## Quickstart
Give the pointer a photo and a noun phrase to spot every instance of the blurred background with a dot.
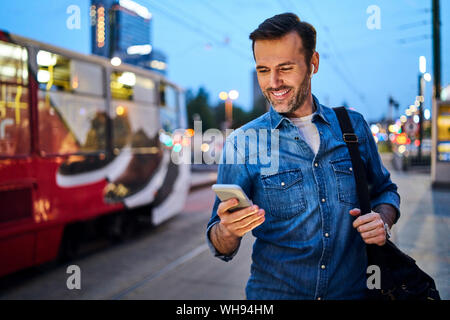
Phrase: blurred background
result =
(97, 95)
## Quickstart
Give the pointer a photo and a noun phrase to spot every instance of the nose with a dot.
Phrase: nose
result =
(275, 80)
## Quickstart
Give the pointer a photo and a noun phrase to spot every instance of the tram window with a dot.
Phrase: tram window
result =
(14, 120)
(14, 112)
(13, 63)
(71, 123)
(183, 122)
(134, 122)
(53, 72)
(168, 96)
(144, 90)
(168, 102)
(86, 78)
(59, 73)
(129, 86)
(122, 84)
(71, 106)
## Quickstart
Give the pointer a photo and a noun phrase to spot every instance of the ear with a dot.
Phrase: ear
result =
(314, 63)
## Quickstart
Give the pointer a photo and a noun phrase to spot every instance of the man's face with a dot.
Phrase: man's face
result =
(283, 75)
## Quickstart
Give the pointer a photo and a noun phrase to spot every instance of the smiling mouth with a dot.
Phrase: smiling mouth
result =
(280, 94)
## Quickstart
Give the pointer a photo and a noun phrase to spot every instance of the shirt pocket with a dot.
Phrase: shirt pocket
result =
(284, 193)
(345, 181)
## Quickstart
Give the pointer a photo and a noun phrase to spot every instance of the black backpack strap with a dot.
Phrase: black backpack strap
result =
(359, 170)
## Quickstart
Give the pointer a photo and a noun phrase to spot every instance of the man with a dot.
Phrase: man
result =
(310, 237)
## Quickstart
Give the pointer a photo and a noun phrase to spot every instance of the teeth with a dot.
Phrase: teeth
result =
(280, 93)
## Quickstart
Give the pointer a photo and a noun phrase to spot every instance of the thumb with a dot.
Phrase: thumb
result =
(355, 212)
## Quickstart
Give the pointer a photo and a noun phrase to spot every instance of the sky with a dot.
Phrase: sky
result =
(207, 45)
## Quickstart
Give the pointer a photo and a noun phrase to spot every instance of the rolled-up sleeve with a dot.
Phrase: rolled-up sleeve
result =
(232, 170)
(382, 189)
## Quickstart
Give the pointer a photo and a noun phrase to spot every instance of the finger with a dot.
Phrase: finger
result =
(380, 240)
(226, 205)
(250, 219)
(372, 225)
(373, 234)
(252, 226)
(366, 218)
(243, 213)
(236, 216)
(355, 212)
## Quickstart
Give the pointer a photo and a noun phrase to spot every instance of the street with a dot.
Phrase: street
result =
(172, 261)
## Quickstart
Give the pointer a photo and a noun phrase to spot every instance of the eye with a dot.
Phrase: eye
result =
(286, 69)
(262, 70)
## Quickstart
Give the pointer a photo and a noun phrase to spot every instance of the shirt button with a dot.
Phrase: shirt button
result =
(322, 266)
(316, 164)
(296, 138)
(326, 235)
(282, 183)
(319, 298)
(350, 169)
(323, 199)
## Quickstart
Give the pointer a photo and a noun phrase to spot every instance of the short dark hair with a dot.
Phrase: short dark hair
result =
(280, 25)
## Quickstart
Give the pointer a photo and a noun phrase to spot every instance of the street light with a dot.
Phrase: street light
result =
(223, 95)
(233, 94)
(116, 61)
(422, 64)
(423, 76)
(228, 98)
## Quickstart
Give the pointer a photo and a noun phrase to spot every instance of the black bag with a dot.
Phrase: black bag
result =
(401, 278)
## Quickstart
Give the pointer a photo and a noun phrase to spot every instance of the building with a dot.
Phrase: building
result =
(101, 27)
(122, 28)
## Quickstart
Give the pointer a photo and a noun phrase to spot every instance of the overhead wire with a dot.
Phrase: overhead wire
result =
(336, 68)
(415, 38)
(171, 6)
(207, 4)
(414, 24)
(204, 32)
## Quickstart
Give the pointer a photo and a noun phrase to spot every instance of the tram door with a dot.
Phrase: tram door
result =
(17, 184)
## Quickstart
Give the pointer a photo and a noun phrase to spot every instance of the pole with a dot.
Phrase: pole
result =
(229, 112)
(436, 50)
(421, 98)
(438, 169)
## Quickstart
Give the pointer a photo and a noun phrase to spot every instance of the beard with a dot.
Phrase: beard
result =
(297, 100)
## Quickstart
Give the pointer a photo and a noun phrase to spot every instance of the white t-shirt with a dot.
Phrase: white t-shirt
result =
(308, 131)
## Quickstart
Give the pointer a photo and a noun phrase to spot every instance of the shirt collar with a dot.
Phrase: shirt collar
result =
(276, 118)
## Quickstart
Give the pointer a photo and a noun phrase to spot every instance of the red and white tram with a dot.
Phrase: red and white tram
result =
(80, 139)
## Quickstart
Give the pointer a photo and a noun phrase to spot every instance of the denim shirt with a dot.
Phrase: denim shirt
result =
(307, 247)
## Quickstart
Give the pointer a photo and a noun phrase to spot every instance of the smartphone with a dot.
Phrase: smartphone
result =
(228, 191)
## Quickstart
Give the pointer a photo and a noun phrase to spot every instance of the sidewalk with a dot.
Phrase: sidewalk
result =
(423, 230)
(200, 179)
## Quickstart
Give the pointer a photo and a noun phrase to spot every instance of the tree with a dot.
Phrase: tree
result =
(214, 117)
(260, 106)
(198, 105)
(240, 117)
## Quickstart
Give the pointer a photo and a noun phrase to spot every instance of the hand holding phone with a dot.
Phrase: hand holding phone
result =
(228, 191)
(236, 219)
